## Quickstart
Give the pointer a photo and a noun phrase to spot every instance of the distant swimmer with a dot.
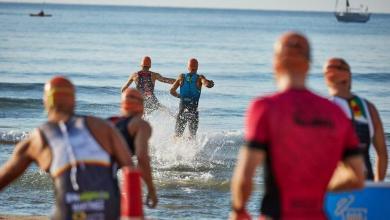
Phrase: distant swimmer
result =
(190, 88)
(300, 137)
(78, 152)
(145, 81)
(137, 132)
(363, 114)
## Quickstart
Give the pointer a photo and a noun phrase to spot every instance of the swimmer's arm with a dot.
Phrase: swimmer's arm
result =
(164, 79)
(206, 82)
(176, 85)
(17, 164)
(379, 142)
(128, 83)
(142, 152)
(241, 185)
(348, 175)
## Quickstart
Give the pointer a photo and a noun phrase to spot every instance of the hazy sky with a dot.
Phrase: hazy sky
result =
(307, 5)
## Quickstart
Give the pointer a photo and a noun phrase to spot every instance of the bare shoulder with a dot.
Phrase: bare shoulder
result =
(371, 105)
(39, 150)
(95, 123)
(141, 124)
(134, 75)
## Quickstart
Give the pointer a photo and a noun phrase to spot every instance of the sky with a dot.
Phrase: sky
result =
(381, 6)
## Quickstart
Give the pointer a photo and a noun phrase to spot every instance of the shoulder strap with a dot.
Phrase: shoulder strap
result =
(368, 113)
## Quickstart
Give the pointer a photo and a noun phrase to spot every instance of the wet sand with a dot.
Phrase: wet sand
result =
(23, 217)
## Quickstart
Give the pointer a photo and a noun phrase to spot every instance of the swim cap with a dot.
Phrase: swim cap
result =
(336, 70)
(192, 64)
(291, 54)
(146, 62)
(59, 93)
(132, 101)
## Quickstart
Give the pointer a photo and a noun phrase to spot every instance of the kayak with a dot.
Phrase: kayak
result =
(40, 15)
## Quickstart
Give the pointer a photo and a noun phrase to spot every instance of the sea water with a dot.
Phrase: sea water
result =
(98, 47)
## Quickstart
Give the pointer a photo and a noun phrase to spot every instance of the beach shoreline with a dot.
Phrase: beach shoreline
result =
(23, 217)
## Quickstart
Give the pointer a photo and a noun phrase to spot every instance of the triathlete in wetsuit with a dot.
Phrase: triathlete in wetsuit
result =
(78, 152)
(190, 88)
(300, 136)
(137, 132)
(363, 114)
(145, 81)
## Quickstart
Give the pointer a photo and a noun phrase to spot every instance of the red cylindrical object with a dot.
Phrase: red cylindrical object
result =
(131, 195)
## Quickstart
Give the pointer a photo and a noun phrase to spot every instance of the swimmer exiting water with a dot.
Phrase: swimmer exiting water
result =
(145, 81)
(190, 88)
(300, 137)
(78, 152)
(362, 113)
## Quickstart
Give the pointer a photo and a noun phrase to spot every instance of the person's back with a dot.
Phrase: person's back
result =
(145, 81)
(306, 136)
(89, 189)
(137, 132)
(301, 137)
(79, 153)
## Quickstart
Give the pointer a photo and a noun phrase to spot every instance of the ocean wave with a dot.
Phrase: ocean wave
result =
(38, 87)
(12, 137)
(21, 103)
(380, 77)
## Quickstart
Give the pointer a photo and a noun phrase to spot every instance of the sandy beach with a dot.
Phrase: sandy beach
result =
(23, 217)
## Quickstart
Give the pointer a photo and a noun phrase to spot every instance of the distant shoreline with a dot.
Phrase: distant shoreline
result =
(23, 217)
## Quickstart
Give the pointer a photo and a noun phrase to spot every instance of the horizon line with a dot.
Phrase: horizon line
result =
(176, 7)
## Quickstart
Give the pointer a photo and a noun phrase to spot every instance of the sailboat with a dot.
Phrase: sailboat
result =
(352, 14)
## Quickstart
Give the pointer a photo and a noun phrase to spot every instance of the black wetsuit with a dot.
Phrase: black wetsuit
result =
(121, 123)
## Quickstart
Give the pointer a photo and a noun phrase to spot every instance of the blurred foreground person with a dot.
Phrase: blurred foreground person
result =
(364, 116)
(137, 132)
(190, 89)
(300, 137)
(78, 152)
(145, 81)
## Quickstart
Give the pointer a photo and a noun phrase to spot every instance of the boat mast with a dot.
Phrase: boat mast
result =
(347, 5)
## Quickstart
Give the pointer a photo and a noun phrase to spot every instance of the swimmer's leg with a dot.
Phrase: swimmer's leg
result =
(193, 124)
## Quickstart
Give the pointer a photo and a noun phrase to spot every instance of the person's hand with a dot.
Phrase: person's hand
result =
(241, 215)
(210, 84)
(151, 199)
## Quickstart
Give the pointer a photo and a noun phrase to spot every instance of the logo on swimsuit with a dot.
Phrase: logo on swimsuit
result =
(303, 119)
